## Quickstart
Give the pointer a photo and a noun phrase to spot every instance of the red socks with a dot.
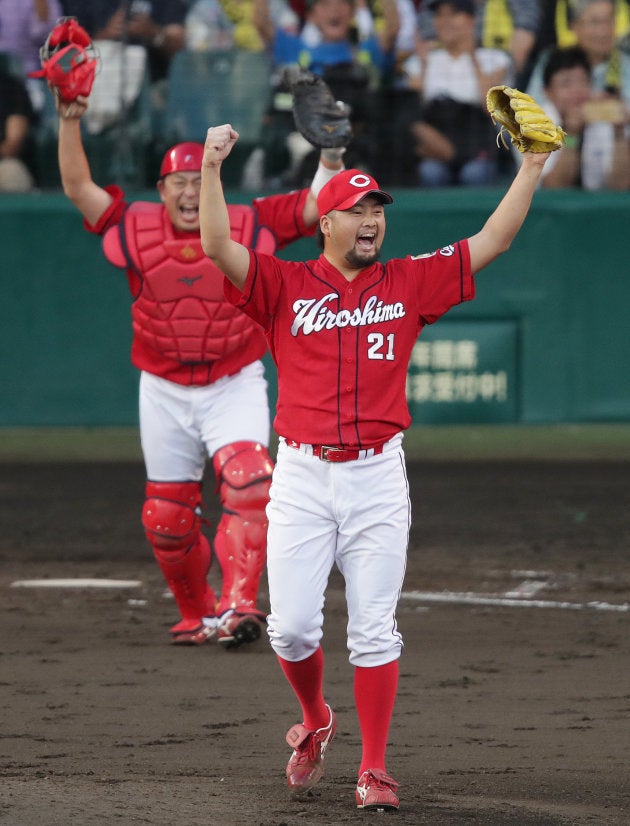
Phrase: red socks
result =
(306, 679)
(374, 695)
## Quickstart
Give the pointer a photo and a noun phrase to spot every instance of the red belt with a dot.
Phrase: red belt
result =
(327, 453)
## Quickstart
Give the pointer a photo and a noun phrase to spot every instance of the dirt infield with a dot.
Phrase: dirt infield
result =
(506, 714)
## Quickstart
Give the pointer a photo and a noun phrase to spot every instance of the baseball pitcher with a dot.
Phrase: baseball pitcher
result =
(341, 330)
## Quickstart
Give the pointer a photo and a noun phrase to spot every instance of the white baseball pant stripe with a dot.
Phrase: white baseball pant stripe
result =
(355, 515)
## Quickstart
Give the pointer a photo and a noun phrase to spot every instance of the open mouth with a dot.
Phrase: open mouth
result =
(189, 214)
(366, 240)
(336, 26)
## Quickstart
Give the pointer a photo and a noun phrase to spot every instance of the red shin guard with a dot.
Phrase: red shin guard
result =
(172, 523)
(243, 472)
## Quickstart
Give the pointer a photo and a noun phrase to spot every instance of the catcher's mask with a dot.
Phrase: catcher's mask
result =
(346, 189)
(69, 59)
(183, 157)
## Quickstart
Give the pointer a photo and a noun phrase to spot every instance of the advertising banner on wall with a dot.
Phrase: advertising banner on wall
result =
(464, 372)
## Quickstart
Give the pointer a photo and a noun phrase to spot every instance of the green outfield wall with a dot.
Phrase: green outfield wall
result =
(547, 340)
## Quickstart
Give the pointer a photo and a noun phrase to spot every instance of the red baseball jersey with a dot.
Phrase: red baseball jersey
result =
(342, 348)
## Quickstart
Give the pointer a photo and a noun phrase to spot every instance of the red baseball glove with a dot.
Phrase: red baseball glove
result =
(69, 60)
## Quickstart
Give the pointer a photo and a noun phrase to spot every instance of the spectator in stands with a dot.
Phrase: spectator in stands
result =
(223, 24)
(510, 25)
(593, 24)
(369, 18)
(398, 102)
(555, 26)
(158, 25)
(24, 26)
(333, 42)
(16, 123)
(353, 68)
(454, 138)
(136, 40)
(597, 151)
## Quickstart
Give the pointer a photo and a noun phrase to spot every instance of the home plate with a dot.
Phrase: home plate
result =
(76, 583)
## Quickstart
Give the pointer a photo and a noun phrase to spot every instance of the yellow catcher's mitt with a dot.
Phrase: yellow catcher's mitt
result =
(530, 129)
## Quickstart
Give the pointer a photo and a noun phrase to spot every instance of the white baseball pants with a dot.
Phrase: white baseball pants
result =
(356, 515)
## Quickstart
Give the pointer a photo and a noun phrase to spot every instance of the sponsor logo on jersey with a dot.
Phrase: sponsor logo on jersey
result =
(189, 280)
(314, 315)
(445, 251)
(188, 252)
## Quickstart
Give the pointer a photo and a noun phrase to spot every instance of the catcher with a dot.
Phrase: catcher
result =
(202, 386)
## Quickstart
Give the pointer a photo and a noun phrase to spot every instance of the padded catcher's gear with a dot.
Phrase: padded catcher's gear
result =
(69, 60)
(171, 517)
(243, 471)
(322, 120)
(518, 114)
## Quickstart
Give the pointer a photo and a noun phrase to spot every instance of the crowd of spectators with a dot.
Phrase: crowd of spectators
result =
(415, 73)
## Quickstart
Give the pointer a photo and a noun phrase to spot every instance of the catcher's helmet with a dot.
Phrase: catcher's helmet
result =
(183, 157)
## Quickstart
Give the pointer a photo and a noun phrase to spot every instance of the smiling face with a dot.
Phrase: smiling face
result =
(595, 30)
(353, 237)
(333, 18)
(569, 89)
(179, 192)
(452, 26)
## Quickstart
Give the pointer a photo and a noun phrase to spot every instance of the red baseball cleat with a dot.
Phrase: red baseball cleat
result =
(306, 765)
(377, 791)
(235, 629)
(193, 631)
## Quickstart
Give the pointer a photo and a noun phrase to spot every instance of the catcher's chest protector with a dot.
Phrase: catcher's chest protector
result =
(180, 310)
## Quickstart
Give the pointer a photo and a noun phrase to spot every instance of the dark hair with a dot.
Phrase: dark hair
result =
(576, 8)
(568, 58)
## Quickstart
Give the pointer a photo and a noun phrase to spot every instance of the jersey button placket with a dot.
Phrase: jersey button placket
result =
(348, 375)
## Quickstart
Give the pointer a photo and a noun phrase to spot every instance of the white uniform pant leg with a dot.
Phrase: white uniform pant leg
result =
(180, 424)
(236, 410)
(172, 448)
(301, 541)
(375, 513)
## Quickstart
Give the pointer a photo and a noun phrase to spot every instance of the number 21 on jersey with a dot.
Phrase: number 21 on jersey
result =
(381, 346)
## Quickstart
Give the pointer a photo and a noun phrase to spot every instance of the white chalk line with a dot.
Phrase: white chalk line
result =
(469, 598)
(517, 598)
(76, 583)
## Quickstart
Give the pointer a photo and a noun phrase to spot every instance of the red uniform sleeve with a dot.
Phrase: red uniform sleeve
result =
(283, 215)
(445, 280)
(112, 214)
(260, 295)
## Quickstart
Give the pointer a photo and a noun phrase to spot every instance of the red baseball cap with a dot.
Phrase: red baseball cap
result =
(346, 189)
(183, 157)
